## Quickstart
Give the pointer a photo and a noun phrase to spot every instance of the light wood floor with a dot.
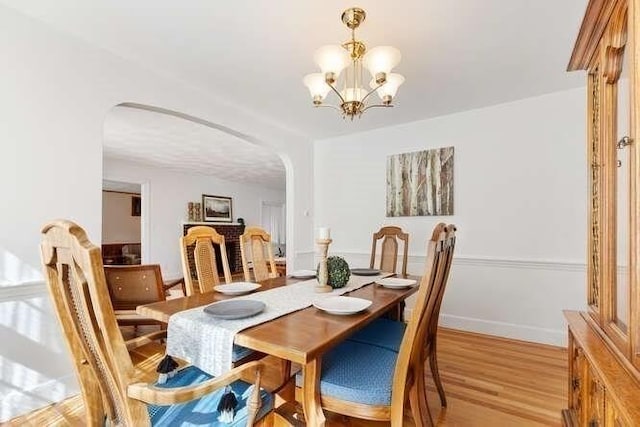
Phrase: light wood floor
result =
(489, 381)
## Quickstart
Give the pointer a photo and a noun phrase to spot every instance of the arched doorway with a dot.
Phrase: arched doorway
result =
(176, 159)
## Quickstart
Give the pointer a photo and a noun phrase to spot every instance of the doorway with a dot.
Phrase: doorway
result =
(121, 223)
(273, 219)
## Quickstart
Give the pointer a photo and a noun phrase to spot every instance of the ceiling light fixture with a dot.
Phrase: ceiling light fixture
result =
(348, 60)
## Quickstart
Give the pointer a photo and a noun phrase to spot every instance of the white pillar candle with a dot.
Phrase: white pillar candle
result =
(324, 233)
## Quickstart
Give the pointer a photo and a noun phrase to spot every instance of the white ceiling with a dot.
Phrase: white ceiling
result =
(457, 54)
(123, 187)
(174, 143)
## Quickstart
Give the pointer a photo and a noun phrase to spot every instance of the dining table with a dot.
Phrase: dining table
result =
(300, 337)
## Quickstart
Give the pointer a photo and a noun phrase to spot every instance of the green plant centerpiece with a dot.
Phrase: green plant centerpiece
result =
(338, 272)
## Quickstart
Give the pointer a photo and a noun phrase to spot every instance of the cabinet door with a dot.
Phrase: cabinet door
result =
(633, 55)
(615, 174)
(614, 416)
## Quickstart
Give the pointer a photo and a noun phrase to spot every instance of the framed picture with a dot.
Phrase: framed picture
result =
(216, 208)
(420, 183)
(136, 205)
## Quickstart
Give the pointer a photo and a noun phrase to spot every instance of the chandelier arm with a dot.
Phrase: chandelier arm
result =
(371, 91)
(342, 101)
(327, 106)
(376, 105)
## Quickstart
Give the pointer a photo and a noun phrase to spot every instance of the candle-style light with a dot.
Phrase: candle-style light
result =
(323, 240)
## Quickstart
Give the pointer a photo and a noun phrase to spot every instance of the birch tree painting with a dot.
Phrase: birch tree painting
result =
(420, 183)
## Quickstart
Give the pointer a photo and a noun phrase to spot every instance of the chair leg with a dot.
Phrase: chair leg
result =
(254, 402)
(418, 400)
(435, 373)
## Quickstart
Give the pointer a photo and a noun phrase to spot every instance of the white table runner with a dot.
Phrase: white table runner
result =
(207, 342)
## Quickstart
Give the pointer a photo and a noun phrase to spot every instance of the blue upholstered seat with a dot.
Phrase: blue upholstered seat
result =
(238, 352)
(357, 372)
(203, 412)
(381, 332)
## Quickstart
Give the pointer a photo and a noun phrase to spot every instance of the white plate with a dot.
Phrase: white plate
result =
(396, 282)
(303, 274)
(342, 305)
(237, 288)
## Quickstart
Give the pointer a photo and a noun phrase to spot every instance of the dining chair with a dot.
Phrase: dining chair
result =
(255, 246)
(133, 285)
(388, 333)
(374, 378)
(390, 237)
(200, 269)
(116, 391)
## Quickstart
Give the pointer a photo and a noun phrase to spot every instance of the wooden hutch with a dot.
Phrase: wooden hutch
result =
(604, 341)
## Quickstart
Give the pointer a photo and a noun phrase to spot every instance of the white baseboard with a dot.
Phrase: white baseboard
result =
(502, 329)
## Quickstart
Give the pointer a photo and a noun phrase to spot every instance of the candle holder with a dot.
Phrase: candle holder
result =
(323, 272)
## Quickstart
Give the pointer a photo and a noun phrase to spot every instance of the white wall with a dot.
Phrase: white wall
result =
(167, 198)
(56, 91)
(519, 203)
(118, 225)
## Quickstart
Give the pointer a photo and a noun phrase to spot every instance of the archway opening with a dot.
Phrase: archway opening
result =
(182, 164)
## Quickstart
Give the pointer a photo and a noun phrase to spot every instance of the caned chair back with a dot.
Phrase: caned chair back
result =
(422, 326)
(390, 237)
(134, 285)
(199, 241)
(77, 284)
(255, 246)
(111, 384)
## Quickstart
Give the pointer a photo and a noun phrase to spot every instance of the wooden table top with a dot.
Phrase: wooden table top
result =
(300, 336)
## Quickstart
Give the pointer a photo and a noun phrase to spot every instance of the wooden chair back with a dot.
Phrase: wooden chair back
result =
(200, 241)
(77, 284)
(255, 246)
(112, 386)
(134, 285)
(421, 329)
(390, 237)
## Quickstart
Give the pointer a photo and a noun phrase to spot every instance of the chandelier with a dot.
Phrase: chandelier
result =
(349, 61)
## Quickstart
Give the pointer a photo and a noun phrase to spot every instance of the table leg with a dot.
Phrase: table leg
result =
(311, 393)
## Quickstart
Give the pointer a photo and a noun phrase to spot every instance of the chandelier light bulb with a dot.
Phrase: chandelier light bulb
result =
(317, 86)
(388, 90)
(332, 59)
(380, 61)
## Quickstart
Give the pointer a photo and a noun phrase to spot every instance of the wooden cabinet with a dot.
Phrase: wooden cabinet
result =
(604, 341)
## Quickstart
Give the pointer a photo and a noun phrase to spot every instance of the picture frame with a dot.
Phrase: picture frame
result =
(217, 208)
(420, 183)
